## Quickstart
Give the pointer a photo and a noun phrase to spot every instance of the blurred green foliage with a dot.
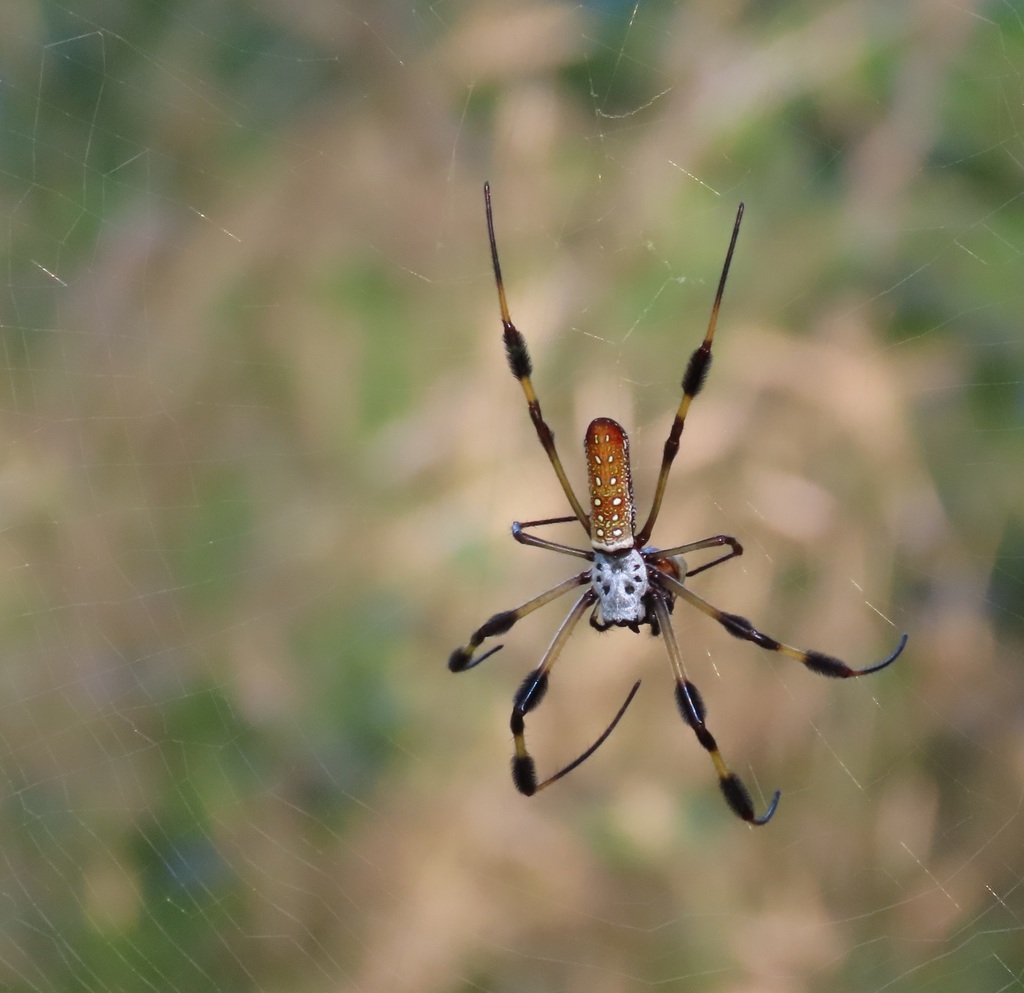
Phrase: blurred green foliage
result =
(262, 451)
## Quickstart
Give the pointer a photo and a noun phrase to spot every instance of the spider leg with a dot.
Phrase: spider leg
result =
(524, 538)
(579, 760)
(691, 707)
(546, 521)
(462, 658)
(735, 548)
(740, 627)
(522, 368)
(693, 380)
(529, 696)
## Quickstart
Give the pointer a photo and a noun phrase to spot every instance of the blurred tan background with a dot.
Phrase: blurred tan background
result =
(261, 450)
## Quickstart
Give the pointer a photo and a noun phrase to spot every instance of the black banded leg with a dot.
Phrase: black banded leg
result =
(740, 627)
(462, 658)
(716, 541)
(693, 381)
(531, 692)
(529, 696)
(691, 707)
(522, 368)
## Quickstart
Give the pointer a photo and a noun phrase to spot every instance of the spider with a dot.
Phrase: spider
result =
(628, 582)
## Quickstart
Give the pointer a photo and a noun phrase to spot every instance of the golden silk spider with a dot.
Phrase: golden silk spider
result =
(629, 583)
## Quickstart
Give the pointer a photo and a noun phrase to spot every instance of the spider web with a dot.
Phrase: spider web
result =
(261, 449)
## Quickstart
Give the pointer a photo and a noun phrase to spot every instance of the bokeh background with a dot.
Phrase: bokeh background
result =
(259, 452)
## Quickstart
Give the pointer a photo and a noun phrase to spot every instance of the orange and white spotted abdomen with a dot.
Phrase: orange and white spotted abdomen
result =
(612, 515)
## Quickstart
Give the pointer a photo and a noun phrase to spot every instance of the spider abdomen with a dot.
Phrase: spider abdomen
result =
(612, 515)
(619, 579)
